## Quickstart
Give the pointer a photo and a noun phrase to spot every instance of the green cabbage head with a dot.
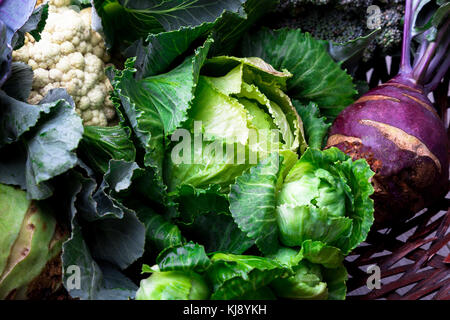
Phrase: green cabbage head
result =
(239, 116)
(325, 197)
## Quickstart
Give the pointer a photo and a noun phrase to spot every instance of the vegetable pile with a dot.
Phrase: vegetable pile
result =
(177, 150)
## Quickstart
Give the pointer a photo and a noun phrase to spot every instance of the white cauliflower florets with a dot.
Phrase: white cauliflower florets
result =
(70, 55)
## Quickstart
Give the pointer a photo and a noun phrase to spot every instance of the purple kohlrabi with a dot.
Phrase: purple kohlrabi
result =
(396, 128)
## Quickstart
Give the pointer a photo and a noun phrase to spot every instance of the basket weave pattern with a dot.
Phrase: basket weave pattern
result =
(413, 258)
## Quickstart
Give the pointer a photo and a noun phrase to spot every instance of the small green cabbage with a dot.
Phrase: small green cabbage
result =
(173, 285)
(325, 197)
(29, 239)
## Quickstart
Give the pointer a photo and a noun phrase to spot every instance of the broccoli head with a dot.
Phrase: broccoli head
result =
(343, 20)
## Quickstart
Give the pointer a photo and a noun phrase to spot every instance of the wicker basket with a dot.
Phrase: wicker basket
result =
(414, 256)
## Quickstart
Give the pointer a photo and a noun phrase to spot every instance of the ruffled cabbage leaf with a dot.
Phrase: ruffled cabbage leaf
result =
(316, 76)
(106, 237)
(318, 272)
(234, 276)
(39, 141)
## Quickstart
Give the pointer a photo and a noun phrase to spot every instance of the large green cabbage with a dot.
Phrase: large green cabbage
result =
(239, 105)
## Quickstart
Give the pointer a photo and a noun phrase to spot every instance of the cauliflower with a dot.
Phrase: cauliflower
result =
(73, 56)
